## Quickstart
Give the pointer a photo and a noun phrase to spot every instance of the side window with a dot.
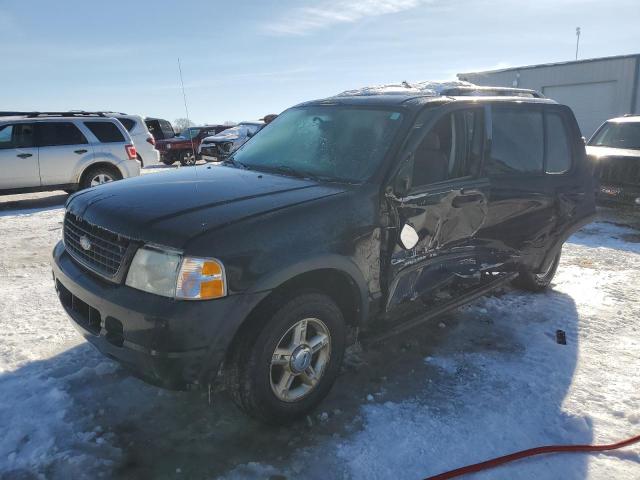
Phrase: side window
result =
(517, 145)
(167, 129)
(16, 136)
(451, 149)
(558, 150)
(127, 123)
(59, 133)
(106, 132)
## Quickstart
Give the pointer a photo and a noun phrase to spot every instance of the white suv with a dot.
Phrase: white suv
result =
(63, 151)
(142, 139)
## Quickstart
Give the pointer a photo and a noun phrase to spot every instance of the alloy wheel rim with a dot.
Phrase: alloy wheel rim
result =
(190, 159)
(100, 179)
(300, 359)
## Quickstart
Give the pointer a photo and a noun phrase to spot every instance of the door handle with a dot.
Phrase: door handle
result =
(81, 151)
(24, 155)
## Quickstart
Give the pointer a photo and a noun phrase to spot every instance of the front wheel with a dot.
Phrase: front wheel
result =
(538, 281)
(284, 369)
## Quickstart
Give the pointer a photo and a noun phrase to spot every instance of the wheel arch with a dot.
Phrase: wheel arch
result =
(99, 164)
(345, 286)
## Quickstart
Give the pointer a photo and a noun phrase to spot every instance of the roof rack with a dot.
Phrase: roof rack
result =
(69, 113)
(464, 91)
(631, 115)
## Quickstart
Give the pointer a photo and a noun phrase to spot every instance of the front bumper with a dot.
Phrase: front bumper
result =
(170, 343)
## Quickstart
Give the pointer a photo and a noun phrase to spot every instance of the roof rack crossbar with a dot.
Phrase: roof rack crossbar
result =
(69, 113)
(464, 91)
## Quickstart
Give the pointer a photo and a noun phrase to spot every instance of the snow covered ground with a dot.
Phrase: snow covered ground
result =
(483, 381)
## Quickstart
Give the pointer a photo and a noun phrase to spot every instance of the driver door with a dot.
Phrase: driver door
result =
(441, 207)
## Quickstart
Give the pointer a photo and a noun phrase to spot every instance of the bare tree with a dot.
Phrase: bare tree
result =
(181, 123)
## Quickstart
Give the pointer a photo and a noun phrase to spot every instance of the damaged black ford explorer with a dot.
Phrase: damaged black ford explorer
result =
(344, 220)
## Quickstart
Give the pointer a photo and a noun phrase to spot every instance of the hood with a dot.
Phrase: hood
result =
(170, 208)
(222, 137)
(597, 152)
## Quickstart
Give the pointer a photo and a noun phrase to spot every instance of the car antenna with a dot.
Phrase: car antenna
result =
(186, 110)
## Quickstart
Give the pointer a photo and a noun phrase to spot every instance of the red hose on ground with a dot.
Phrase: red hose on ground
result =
(530, 453)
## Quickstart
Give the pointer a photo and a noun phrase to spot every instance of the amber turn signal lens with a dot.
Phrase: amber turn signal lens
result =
(201, 279)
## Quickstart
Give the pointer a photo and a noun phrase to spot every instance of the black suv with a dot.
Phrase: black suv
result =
(345, 219)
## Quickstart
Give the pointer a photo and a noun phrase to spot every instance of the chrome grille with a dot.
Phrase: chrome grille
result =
(619, 171)
(106, 250)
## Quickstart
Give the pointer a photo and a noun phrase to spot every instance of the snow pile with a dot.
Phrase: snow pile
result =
(428, 87)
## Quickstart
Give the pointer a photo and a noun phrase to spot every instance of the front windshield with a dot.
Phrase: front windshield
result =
(189, 133)
(618, 135)
(330, 142)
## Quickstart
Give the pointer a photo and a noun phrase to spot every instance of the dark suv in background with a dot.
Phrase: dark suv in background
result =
(615, 152)
(347, 218)
(184, 147)
(159, 128)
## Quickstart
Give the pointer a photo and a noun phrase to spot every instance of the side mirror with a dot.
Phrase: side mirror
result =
(584, 140)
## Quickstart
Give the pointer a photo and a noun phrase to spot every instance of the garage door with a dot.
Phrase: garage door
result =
(592, 103)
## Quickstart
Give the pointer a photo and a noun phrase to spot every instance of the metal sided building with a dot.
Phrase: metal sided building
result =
(596, 89)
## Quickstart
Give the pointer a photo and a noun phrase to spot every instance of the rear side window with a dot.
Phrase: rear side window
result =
(127, 123)
(106, 132)
(558, 154)
(16, 136)
(59, 133)
(517, 141)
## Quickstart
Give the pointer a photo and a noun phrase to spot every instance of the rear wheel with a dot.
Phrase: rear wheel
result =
(284, 369)
(187, 158)
(99, 176)
(538, 281)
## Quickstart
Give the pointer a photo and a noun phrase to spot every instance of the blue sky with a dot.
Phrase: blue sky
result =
(243, 59)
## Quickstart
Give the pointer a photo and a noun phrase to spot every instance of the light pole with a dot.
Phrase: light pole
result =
(577, 40)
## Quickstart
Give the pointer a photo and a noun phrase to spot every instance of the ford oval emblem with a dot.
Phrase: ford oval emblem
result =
(85, 243)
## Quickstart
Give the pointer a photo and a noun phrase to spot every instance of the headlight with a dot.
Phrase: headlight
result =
(168, 146)
(171, 274)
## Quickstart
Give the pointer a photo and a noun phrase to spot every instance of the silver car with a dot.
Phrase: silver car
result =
(218, 147)
(63, 151)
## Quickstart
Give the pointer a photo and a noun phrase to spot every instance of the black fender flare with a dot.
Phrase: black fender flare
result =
(335, 262)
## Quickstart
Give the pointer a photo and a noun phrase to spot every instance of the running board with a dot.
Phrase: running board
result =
(458, 302)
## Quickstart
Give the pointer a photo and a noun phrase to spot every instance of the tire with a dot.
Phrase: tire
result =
(187, 158)
(537, 282)
(259, 373)
(93, 175)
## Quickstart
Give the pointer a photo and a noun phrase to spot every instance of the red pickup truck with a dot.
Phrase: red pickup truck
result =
(184, 147)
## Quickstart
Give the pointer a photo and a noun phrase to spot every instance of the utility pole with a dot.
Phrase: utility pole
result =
(577, 41)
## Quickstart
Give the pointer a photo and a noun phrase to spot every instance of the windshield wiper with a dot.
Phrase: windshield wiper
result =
(292, 172)
(234, 162)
